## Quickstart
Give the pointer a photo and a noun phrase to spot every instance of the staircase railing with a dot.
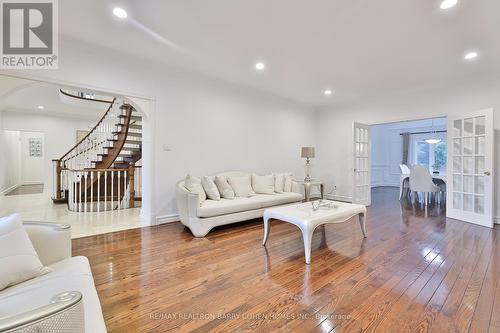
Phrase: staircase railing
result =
(80, 156)
(97, 190)
(92, 175)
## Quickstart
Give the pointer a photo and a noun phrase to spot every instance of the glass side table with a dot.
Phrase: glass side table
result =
(307, 187)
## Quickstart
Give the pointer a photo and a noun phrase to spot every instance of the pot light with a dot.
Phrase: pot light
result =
(260, 66)
(328, 92)
(40, 107)
(471, 55)
(120, 12)
(447, 4)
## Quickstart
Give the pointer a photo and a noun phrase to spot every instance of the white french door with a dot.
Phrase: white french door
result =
(361, 192)
(470, 167)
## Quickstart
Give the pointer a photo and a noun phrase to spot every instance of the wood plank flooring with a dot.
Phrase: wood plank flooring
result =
(416, 272)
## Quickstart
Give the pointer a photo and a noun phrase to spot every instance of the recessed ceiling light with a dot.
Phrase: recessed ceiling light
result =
(40, 107)
(471, 55)
(328, 92)
(447, 4)
(120, 12)
(260, 66)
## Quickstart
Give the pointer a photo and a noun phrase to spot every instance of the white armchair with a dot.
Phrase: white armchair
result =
(64, 300)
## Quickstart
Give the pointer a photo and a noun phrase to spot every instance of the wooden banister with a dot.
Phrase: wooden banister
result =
(91, 131)
(84, 98)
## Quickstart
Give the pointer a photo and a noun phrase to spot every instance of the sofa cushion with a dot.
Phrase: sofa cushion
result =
(288, 182)
(242, 185)
(212, 208)
(67, 275)
(267, 200)
(193, 185)
(263, 184)
(225, 190)
(18, 259)
(279, 182)
(210, 188)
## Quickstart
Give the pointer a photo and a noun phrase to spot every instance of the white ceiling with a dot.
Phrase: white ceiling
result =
(359, 48)
(19, 95)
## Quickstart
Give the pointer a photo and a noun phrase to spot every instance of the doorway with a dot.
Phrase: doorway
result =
(401, 147)
(24, 162)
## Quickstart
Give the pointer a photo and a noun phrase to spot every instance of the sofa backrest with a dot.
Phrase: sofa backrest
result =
(225, 174)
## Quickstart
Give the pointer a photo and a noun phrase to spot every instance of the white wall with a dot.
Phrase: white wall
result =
(211, 125)
(59, 136)
(387, 148)
(334, 125)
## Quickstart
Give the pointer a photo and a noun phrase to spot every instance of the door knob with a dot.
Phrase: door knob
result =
(487, 173)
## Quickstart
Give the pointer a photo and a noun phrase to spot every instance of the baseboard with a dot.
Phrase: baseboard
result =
(496, 219)
(7, 190)
(32, 183)
(161, 219)
(385, 185)
(338, 198)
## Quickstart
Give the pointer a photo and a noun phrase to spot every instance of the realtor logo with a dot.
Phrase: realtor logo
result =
(29, 34)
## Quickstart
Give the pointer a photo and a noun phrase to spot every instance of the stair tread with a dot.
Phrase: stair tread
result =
(137, 142)
(131, 126)
(131, 117)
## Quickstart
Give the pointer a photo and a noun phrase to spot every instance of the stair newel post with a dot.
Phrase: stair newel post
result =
(58, 179)
(131, 185)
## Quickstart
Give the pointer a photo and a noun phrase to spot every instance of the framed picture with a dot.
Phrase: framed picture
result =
(35, 147)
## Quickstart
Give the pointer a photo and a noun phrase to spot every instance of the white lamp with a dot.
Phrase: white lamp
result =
(307, 153)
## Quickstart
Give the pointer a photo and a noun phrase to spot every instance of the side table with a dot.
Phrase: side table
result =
(307, 187)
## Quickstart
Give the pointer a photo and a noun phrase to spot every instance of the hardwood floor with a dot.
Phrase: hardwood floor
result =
(416, 272)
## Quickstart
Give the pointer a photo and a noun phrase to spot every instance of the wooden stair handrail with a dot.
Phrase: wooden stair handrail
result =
(84, 98)
(122, 136)
(91, 131)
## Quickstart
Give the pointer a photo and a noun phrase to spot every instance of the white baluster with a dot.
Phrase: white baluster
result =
(118, 198)
(105, 190)
(91, 191)
(85, 191)
(80, 192)
(98, 191)
(112, 188)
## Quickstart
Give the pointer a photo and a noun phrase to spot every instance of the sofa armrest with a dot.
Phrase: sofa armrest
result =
(187, 203)
(64, 313)
(51, 241)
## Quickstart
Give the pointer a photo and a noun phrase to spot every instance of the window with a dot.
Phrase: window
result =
(433, 156)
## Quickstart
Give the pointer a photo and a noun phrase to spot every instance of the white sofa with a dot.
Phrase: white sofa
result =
(200, 219)
(29, 306)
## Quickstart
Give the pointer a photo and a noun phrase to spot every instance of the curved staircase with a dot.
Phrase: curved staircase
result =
(101, 171)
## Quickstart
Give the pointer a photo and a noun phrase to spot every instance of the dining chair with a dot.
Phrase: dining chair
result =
(403, 181)
(421, 182)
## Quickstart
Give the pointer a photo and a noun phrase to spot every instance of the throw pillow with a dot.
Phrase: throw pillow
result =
(18, 259)
(263, 184)
(210, 188)
(242, 186)
(225, 190)
(193, 185)
(279, 182)
(288, 182)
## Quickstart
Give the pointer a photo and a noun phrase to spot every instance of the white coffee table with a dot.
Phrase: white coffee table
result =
(303, 216)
